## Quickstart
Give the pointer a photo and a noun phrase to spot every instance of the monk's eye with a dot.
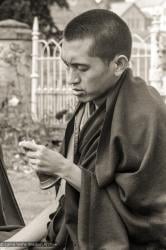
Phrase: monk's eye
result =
(82, 68)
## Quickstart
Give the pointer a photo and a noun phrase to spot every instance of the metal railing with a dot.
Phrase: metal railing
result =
(52, 99)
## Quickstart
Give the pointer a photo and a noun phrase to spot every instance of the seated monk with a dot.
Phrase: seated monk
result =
(113, 157)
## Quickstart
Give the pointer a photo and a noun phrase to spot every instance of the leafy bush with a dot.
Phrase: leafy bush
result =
(16, 122)
(17, 125)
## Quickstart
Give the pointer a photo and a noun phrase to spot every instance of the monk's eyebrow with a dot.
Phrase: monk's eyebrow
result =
(74, 63)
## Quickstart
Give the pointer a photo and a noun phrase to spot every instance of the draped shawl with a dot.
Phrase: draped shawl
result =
(122, 156)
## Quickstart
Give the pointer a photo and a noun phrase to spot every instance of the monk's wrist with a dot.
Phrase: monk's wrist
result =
(71, 173)
(64, 169)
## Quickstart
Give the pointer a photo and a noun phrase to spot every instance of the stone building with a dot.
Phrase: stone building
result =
(153, 8)
(137, 20)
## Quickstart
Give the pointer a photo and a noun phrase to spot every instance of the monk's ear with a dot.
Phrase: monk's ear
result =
(121, 63)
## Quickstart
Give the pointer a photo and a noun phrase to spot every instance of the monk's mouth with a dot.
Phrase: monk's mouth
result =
(78, 92)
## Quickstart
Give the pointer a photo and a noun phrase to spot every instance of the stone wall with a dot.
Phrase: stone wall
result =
(15, 63)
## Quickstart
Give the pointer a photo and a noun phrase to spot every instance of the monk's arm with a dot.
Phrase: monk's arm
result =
(51, 162)
(37, 229)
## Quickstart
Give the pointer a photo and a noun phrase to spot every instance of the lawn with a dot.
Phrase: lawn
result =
(31, 199)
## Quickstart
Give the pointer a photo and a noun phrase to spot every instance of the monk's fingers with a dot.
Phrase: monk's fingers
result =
(34, 167)
(32, 154)
(34, 164)
(29, 145)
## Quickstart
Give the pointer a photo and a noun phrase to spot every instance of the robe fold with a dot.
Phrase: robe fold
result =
(122, 155)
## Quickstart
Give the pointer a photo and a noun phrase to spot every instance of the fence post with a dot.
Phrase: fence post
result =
(35, 74)
(155, 72)
(163, 52)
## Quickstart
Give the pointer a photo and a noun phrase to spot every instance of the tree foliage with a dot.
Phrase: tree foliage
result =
(25, 10)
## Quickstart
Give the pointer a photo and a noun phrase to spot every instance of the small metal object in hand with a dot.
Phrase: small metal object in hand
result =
(46, 181)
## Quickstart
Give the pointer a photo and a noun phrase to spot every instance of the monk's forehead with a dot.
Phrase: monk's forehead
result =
(76, 48)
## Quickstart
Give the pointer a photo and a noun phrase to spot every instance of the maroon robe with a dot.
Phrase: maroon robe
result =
(122, 154)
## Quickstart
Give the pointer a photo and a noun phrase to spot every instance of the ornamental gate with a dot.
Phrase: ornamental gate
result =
(52, 99)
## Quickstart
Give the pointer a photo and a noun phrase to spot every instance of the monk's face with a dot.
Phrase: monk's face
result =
(89, 76)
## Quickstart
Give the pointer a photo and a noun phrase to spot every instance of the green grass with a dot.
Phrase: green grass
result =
(31, 199)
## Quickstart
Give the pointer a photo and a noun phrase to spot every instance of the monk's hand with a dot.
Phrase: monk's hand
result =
(45, 160)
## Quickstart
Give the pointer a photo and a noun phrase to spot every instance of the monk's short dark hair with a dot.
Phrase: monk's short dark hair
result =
(111, 35)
